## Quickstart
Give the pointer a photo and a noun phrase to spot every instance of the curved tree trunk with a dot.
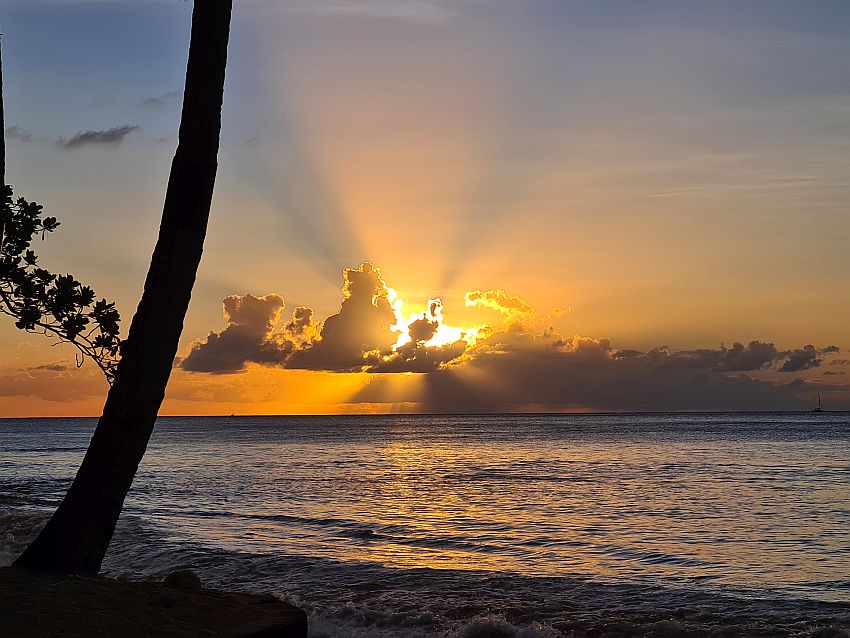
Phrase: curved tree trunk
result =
(77, 536)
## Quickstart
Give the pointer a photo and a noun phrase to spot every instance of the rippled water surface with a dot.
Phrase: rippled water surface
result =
(745, 505)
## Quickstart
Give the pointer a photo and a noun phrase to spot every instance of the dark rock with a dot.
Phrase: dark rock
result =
(184, 579)
(164, 601)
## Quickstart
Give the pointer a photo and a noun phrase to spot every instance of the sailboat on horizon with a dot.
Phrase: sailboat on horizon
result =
(819, 407)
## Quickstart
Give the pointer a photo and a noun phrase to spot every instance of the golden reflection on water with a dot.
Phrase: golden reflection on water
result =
(517, 497)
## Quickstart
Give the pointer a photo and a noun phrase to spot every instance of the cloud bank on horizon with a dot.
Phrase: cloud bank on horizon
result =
(522, 361)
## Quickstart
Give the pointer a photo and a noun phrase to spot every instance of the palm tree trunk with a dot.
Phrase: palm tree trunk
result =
(76, 538)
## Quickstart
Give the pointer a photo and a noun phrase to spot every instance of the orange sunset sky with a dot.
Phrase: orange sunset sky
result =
(619, 206)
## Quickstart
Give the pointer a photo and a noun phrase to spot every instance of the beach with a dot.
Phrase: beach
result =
(34, 605)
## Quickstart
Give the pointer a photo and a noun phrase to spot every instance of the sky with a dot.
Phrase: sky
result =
(455, 205)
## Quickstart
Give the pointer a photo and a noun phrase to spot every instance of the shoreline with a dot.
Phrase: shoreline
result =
(36, 605)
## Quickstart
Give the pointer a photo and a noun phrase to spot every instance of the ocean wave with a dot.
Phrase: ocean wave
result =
(395, 534)
(17, 528)
(365, 600)
(43, 492)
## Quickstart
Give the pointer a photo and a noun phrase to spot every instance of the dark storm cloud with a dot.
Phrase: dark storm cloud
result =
(107, 137)
(739, 358)
(532, 371)
(414, 357)
(528, 369)
(804, 358)
(562, 380)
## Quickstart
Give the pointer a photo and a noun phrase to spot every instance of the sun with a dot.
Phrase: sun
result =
(440, 333)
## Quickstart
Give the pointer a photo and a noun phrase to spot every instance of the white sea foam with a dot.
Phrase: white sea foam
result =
(17, 528)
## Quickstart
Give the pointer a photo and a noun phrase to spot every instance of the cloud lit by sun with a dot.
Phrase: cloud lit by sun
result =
(518, 358)
(382, 353)
(429, 324)
(372, 332)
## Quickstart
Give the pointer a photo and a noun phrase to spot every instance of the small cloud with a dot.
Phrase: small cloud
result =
(419, 11)
(56, 382)
(53, 367)
(498, 300)
(164, 99)
(107, 137)
(18, 134)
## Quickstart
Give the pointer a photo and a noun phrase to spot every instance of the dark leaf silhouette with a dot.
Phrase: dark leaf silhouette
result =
(45, 303)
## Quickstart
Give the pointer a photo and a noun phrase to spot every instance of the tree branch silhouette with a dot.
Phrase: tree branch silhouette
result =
(42, 302)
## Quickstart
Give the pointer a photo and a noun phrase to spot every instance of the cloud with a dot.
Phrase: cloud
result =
(108, 137)
(59, 366)
(343, 342)
(18, 134)
(58, 382)
(416, 354)
(522, 362)
(514, 369)
(362, 328)
(804, 358)
(499, 301)
(739, 358)
(419, 11)
(415, 357)
(247, 337)
(362, 336)
(163, 99)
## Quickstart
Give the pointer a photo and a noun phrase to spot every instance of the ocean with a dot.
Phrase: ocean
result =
(495, 526)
